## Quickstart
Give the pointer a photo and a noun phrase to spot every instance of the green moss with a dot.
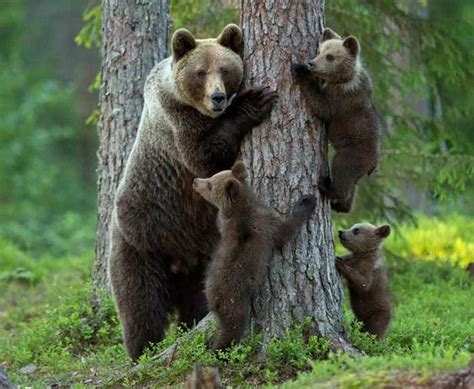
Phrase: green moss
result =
(48, 319)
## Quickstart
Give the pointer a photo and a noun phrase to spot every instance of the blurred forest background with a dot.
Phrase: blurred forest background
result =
(419, 54)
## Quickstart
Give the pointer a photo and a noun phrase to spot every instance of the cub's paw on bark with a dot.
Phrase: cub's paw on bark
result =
(305, 205)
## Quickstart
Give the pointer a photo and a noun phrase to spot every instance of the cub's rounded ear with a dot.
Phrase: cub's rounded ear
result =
(352, 44)
(181, 43)
(383, 231)
(232, 38)
(329, 34)
(239, 171)
(232, 189)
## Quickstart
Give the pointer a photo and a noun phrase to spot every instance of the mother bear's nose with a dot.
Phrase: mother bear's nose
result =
(218, 98)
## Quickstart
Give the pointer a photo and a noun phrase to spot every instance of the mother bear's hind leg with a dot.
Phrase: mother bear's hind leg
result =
(142, 294)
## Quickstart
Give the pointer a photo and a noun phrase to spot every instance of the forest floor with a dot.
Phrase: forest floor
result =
(52, 335)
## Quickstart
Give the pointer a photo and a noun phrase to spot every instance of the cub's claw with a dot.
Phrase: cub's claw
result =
(324, 183)
(339, 265)
(306, 205)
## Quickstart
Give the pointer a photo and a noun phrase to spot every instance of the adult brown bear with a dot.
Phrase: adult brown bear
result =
(163, 233)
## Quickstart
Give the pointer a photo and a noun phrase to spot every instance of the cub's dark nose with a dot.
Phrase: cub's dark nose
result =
(310, 65)
(218, 99)
(195, 181)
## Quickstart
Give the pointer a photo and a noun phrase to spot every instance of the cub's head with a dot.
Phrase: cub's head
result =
(363, 237)
(223, 189)
(208, 72)
(337, 60)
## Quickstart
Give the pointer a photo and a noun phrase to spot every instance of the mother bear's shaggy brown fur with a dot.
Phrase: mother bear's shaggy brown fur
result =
(163, 233)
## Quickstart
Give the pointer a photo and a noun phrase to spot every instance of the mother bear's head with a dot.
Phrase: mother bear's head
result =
(208, 72)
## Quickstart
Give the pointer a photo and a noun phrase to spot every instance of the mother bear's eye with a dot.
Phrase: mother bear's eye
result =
(201, 74)
(209, 186)
(224, 72)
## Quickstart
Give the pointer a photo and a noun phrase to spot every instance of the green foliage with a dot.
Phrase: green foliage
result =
(432, 330)
(50, 319)
(445, 238)
(12, 19)
(71, 327)
(421, 65)
(203, 18)
(91, 34)
(294, 352)
(45, 202)
(51, 322)
(89, 37)
(437, 239)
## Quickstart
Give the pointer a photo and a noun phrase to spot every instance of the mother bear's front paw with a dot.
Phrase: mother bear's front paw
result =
(256, 103)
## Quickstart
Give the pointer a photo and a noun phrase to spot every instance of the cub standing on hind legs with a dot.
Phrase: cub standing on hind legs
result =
(366, 276)
(249, 232)
(339, 92)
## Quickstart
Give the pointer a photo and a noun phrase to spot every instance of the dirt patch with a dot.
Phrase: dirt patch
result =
(460, 379)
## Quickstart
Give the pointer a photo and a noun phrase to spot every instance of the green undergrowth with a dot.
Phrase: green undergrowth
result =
(47, 319)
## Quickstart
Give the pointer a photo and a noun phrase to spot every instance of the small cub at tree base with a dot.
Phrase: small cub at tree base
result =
(204, 378)
(249, 232)
(339, 92)
(366, 276)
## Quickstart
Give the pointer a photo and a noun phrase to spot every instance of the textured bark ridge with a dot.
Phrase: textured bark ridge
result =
(135, 37)
(285, 156)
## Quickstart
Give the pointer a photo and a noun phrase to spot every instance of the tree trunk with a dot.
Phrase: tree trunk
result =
(285, 157)
(135, 38)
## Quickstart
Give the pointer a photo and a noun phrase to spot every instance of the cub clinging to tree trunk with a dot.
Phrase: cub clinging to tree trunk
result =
(366, 276)
(339, 91)
(249, 232)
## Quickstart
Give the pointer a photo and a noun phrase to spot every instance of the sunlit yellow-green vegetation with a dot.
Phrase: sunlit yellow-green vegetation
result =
(49, 320)
(448, 239)
(48, 197)
(440, 239)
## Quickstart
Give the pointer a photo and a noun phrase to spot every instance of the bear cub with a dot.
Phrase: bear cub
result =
(204, 378)
(366, 276)
(249, 232)
(339, 92)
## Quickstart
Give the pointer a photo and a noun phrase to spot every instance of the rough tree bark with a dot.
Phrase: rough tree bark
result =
(285, 157)
(135, 38)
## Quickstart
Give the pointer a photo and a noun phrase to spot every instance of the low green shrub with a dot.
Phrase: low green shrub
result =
(447, 239)
(50, 321)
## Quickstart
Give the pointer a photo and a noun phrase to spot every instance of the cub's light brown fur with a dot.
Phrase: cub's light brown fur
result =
(163, 233)
(339, 91)
(366, 276)
(204, 378)
(249, 232)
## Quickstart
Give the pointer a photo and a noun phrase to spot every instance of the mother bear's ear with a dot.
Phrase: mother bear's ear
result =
(329, 34)
(232, 38)
(181, 43)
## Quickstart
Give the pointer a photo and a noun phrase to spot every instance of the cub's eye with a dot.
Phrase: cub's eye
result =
(355, 231)
(224, 72)
(329, 58)
(209, 186)
(201, 74)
